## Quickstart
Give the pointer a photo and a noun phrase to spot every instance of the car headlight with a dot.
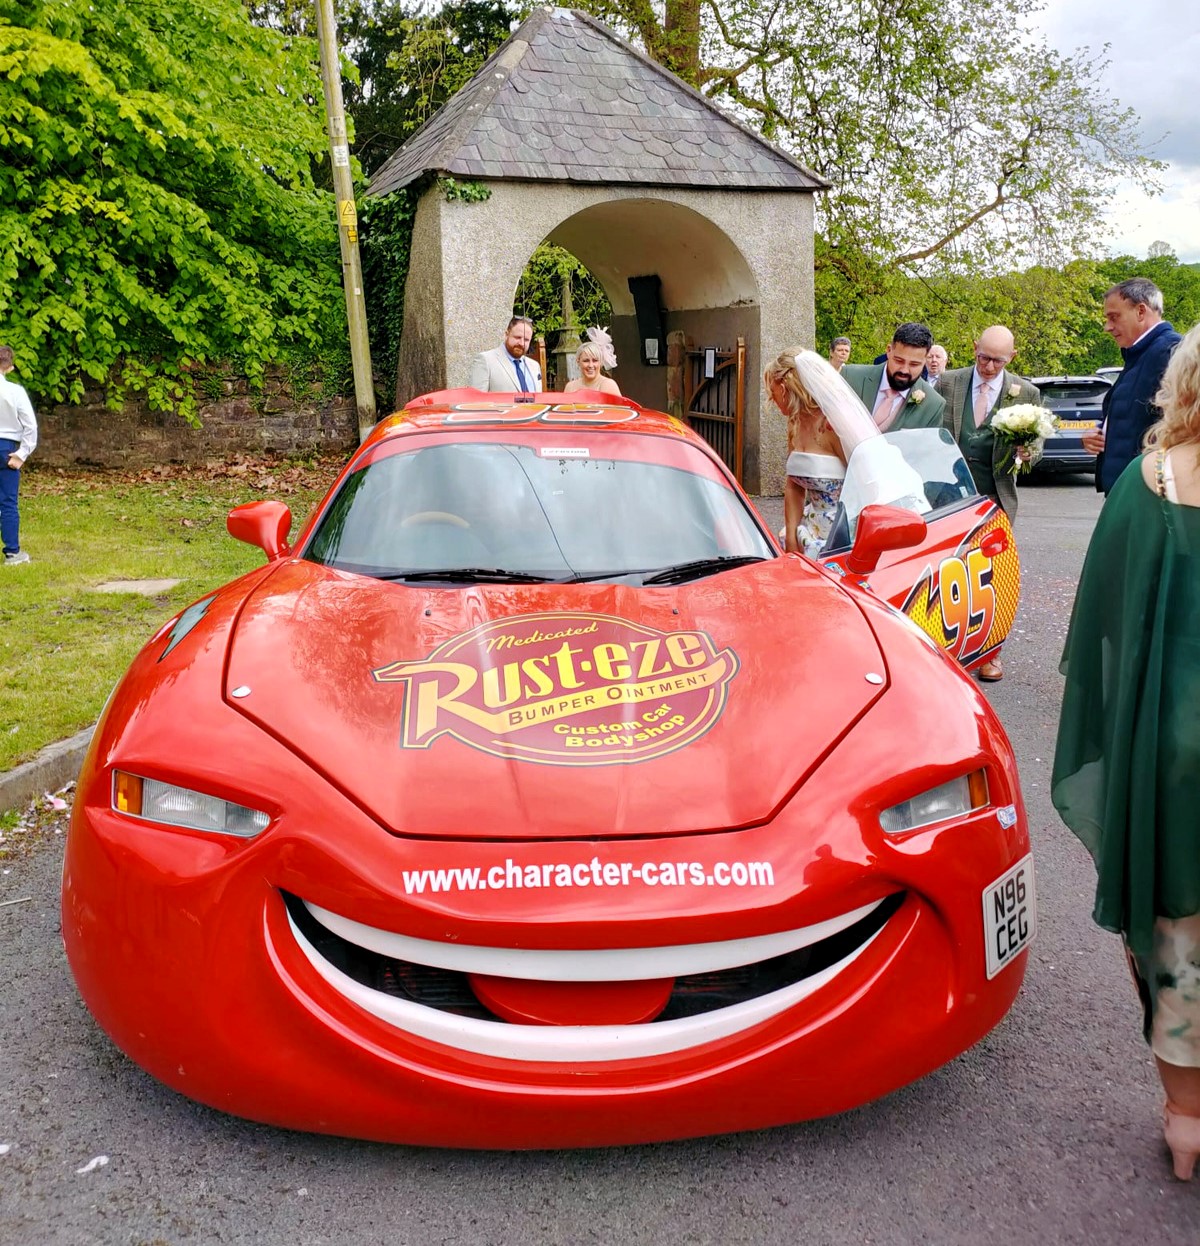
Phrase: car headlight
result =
(948, 800)
(180, 806)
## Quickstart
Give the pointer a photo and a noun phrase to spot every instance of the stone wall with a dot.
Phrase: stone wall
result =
(282, 417)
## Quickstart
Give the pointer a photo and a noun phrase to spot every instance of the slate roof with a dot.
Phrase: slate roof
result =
(565, 100)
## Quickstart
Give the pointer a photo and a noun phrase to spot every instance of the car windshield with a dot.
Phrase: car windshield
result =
(506, 511)
(918, 469)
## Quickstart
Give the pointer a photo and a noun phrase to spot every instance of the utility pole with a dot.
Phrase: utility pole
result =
(343, 187)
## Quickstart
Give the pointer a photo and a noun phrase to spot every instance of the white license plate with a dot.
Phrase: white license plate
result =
(1009, 916)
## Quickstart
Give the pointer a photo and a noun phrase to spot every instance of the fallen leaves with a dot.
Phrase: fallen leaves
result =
(45, 816)
(266, 473)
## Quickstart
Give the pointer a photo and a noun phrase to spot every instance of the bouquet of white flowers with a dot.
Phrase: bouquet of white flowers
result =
(1022, 425)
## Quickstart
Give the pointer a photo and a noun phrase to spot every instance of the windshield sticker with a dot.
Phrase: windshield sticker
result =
(564, 452)
(565, 689)
(537, 413)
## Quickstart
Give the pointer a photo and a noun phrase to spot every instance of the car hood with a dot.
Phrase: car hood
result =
(550, 711)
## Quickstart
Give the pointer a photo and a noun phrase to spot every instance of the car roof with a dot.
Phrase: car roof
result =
(1089, 379)
(432, 412)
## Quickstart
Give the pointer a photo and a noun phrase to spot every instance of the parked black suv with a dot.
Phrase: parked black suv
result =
(1076, 401)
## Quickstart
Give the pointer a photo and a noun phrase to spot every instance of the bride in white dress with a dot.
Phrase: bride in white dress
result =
(826, 422)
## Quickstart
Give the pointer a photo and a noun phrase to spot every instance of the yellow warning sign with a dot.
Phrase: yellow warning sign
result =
(346, 217)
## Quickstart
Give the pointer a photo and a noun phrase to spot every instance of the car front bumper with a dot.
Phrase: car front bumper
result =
(186, 954)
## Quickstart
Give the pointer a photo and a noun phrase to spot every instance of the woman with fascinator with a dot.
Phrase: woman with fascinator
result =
(594, 355)
(826, 423)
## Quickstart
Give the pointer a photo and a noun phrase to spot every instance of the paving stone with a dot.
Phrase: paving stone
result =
(147, 588)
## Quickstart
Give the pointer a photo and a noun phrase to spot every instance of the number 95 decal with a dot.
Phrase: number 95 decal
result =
(968, 602)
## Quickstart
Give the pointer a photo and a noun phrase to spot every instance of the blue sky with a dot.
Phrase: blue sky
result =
(1155, 60)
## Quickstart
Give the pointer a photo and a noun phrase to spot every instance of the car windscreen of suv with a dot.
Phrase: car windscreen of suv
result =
(1074, 394)
(512, 511)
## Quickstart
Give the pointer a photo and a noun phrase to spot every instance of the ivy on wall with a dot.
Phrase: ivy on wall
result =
(385, 248)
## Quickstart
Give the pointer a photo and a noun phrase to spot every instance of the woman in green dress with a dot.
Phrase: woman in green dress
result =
(1127, 764)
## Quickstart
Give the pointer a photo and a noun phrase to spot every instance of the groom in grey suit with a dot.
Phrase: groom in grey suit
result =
(508, 369)
(893, 390)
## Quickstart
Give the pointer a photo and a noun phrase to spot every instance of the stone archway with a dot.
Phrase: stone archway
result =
(468, 259)
(580, 139)
(709, 290)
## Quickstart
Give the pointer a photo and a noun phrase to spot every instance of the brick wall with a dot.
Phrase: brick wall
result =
(279, 418)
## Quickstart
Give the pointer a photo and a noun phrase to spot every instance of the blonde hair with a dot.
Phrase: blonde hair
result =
(590, 348)
(798, 397)
(1178, 397)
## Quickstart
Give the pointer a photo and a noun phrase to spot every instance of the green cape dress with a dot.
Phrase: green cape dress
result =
(1127, 765)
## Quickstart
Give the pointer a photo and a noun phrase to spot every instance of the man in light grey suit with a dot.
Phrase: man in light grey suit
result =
(893, 390)
(508, 369)
(973, 396)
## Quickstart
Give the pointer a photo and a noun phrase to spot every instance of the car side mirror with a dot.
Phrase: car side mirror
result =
(881, 528)
(265, 524)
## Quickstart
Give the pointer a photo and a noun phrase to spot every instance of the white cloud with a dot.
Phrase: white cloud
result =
(1155, 47)
(1174, 217)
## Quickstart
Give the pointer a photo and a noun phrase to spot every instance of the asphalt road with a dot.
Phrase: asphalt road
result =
(1047, 1131)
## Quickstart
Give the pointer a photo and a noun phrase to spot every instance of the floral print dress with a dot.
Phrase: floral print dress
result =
(820, 476)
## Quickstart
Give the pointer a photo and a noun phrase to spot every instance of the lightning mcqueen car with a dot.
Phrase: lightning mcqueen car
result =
(535, 798)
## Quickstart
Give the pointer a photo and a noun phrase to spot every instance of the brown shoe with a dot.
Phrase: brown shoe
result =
(991, 671)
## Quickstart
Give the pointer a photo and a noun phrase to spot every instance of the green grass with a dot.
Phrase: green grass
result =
(63, 645)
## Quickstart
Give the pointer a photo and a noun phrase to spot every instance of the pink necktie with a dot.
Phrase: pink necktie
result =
(982, 404)
(885, 406)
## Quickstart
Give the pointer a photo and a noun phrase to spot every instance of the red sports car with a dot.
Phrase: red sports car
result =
(533, 798)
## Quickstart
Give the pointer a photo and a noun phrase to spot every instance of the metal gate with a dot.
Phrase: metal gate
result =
(714, 399)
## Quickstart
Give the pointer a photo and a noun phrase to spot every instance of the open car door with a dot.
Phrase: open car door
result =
(961, 584)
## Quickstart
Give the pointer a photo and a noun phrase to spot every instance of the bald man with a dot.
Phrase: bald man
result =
(935, 365)
(973, 396)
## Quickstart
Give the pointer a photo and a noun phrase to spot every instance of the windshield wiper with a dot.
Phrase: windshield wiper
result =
(700, 566)
(476, 575)
(621, 573)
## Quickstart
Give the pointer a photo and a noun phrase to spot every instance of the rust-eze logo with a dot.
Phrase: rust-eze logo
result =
(565, 689)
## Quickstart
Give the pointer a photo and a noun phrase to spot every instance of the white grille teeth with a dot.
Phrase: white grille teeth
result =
(579, 1043)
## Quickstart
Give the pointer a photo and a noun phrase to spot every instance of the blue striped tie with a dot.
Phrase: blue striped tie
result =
(522, 379)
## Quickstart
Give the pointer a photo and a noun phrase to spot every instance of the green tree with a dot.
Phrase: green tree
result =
(410, 59)
(386, 247)
(402, 59)
(1180, 284)
(158, 206)
(540, 291)
(954, 140)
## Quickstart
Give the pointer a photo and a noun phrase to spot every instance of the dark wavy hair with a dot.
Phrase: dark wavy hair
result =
(912, 334)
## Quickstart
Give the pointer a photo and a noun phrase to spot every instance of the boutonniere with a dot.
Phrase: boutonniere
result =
(918, 395)
(1014, 390)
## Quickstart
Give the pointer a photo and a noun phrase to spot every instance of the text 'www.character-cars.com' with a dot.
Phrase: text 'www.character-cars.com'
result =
(594, 873)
